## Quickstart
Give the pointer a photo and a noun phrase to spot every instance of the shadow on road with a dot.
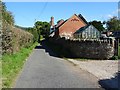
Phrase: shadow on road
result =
(107, 84)
(111, 84)
(55, 51)
(39, 47)
(46, 48)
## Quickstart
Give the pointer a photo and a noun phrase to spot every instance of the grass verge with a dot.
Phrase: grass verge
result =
(0, 73)
(12, 64)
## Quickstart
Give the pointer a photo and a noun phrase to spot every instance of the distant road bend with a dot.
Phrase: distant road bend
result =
(44, 70)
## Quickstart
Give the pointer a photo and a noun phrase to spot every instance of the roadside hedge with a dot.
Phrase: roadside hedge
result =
(13, 39)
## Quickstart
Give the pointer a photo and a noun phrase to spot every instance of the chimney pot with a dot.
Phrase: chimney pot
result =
(52, 21)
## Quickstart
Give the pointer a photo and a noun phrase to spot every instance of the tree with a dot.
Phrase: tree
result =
(38, 27)
(3, 7)
(9, 18)
(98, 25)
(7, 15)
(34, 32)
(113, 24)
(42, 28)
(45, 29)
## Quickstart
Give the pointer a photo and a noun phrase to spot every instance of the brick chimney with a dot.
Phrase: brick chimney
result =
(52, 21)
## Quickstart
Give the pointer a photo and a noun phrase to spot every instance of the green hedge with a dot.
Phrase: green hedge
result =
(13, 39)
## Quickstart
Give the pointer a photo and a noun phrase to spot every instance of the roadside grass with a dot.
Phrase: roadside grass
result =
(12, 65)
(0, 73)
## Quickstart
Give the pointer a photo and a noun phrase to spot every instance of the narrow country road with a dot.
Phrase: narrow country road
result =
(44, 70)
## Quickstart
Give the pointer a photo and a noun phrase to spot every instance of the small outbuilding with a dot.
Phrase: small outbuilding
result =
(87, 32)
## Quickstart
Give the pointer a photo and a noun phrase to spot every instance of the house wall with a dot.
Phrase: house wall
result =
(70, 26)
(87, 49)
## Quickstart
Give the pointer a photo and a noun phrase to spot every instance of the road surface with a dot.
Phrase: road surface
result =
(44, 69)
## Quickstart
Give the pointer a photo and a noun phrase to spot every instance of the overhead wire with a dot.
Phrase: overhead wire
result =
(42, 11)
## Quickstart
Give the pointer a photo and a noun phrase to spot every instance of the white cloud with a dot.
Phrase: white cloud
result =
(118, 10)
(109, 16)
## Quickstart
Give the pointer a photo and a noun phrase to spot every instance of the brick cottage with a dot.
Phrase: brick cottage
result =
(72, 25)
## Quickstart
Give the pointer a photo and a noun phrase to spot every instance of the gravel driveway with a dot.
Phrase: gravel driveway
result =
(104, 70)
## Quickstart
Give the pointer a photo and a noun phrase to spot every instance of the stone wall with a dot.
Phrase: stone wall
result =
(93, 49)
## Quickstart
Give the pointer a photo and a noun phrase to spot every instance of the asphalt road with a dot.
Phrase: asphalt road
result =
(44, 70)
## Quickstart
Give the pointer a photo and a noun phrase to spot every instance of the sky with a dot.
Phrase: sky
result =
(26, 13)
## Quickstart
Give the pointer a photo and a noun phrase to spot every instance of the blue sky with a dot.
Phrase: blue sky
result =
(25, 13)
